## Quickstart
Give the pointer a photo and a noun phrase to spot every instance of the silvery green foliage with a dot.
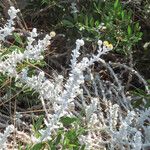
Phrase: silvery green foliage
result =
(71, 88)
(109, 117)
(4, 136)
(110, 125)
(8, 27)
(32, 52)
(116, 129)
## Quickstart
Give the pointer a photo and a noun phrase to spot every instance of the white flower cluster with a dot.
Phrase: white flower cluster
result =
(8, 27)
(32, 52)
(115, 129)
(47, 89)
(109, 124)
(71, 88)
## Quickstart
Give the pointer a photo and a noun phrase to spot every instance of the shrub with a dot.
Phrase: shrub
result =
(105, 112)
(107, 20)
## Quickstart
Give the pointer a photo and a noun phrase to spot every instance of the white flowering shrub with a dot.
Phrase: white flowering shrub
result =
(108, 117)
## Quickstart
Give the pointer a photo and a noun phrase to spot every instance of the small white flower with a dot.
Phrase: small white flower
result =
(34, 33)
(100, 43)
(80, 42)
(8, 27)
(12, 12)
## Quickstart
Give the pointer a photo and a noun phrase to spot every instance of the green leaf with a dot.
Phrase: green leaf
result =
(86, 20)
(148, 81)
(14, 48)
(67, 23)
(57, 141)
(83, 147)
(66, 121)
(129, 30)
(38, 146)
(91, 22)
(18, 38)
(95, 6)
(122, 15)
(97, 23)
(38, 123)
(137, 26)
(137, 103)
(140, 34)
(147, 105)
(116, 4)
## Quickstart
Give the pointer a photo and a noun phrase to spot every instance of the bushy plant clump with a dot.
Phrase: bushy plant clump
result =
(91, 20)
(82, 111)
